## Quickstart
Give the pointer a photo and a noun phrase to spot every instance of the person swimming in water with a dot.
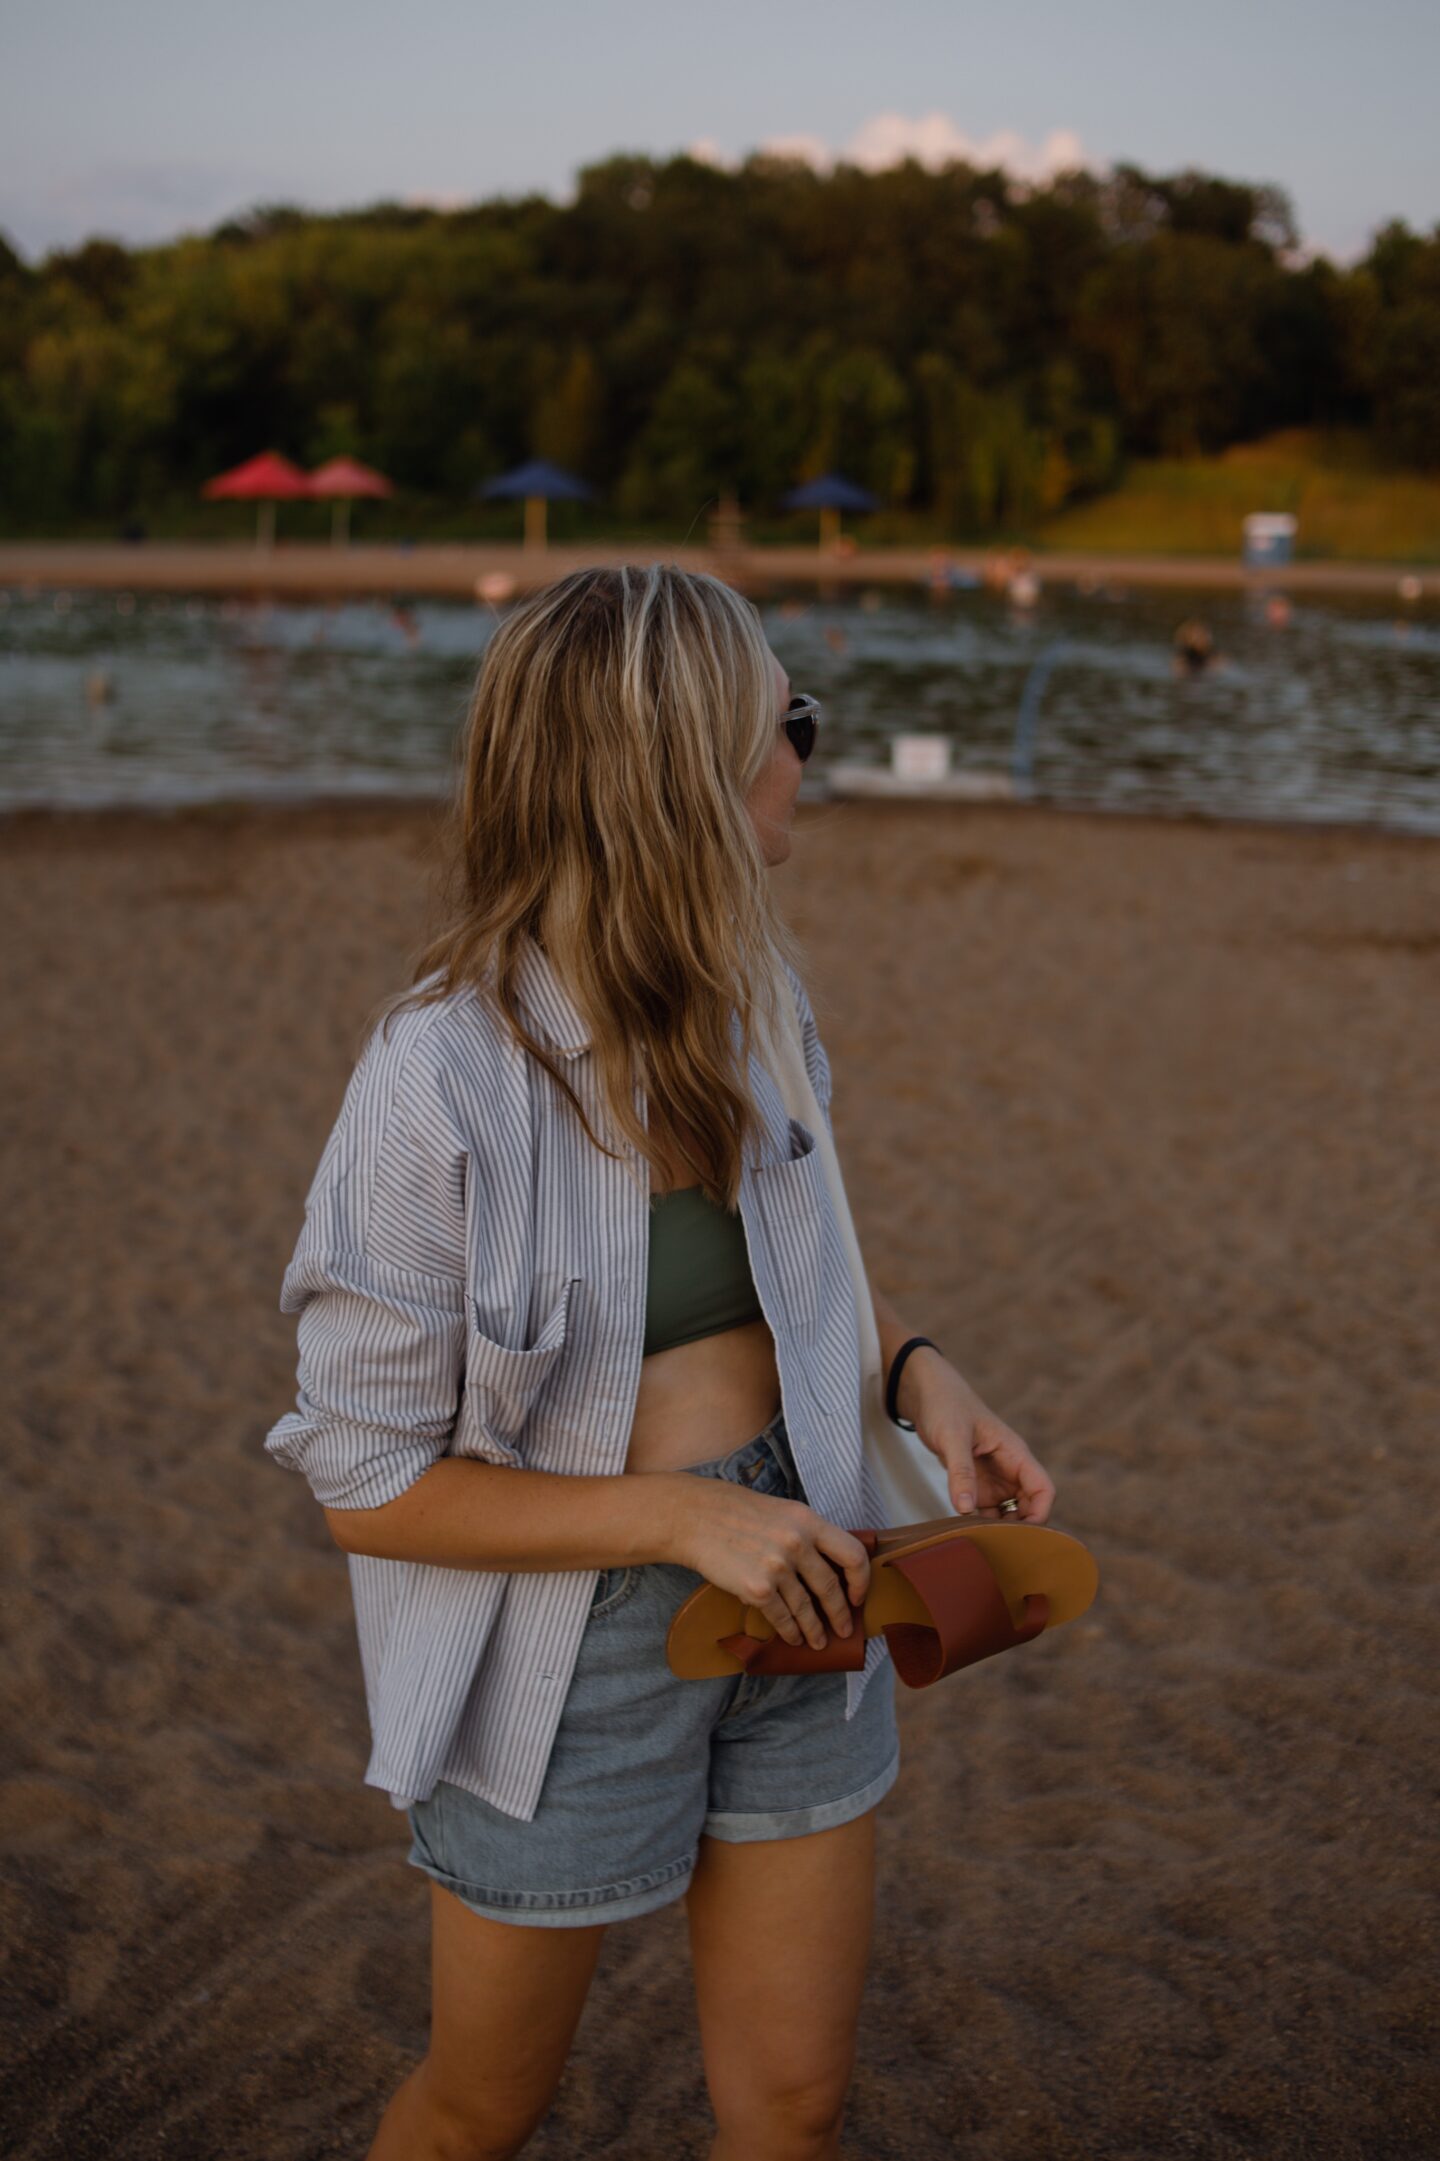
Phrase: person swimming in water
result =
(1193, 648)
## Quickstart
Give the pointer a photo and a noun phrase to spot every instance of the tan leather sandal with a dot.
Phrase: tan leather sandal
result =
(945, 1593)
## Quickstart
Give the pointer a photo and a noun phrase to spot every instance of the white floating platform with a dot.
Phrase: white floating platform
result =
(972, 787)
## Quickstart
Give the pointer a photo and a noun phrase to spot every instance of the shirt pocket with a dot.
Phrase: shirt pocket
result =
(793, 1196)
(503, 1386)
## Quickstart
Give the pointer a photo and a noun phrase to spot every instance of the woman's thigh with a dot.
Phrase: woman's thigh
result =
(505, 2003)
(780, 1933)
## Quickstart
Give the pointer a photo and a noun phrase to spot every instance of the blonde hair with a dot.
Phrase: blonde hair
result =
(618, 720)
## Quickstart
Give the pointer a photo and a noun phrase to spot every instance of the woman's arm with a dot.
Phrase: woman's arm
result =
(894, 1332)
(986, 1460)
(464, 1514)
(461, 1513)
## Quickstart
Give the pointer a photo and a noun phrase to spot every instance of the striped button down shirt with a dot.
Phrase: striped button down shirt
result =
(470, 1280)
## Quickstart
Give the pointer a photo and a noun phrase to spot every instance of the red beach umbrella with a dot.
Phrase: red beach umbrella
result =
(265, 480)
(343, 479)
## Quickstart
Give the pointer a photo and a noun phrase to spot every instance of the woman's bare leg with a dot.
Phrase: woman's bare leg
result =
(505, 2001)
(780, 1935)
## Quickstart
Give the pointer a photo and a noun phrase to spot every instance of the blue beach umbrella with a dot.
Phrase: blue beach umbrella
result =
(536, 484)
(830, 494)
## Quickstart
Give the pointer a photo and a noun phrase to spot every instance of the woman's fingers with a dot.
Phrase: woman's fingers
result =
(952, 1444)
(1008, 1471)
(791, 1613)
(814, 1587)
(810, 1599)
(960, 1473)
(812, 1616)
(797, 1621)
(1036, 1494)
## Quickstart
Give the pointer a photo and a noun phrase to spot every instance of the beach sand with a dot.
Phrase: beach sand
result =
(1139, 1121)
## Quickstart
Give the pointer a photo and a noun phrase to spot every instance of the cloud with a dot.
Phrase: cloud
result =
(932, 140)
(935, 140)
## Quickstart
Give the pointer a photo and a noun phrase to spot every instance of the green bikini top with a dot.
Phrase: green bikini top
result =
(698, 1279)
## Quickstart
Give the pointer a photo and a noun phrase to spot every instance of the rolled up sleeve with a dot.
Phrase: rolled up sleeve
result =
(382, 1352)
(377, 1283)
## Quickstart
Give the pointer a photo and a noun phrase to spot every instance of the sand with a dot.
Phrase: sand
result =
(1140, 1122)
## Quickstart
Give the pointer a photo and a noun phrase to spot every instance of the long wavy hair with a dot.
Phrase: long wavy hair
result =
(618, 720)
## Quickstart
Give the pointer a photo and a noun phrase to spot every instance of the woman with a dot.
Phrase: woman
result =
(577, 1334)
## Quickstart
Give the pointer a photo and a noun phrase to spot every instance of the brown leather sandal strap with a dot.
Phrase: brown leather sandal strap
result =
(969, 1617)
(969, 1620)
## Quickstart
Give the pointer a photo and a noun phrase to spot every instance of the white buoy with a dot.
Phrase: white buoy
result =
(1410, 588)
(495, 586)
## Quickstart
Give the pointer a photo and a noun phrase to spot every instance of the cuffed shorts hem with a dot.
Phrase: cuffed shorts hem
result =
(570, 1909)
(737, 1826)
(662, 1886)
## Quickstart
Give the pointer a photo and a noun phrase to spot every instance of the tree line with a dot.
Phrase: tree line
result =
(965, 345)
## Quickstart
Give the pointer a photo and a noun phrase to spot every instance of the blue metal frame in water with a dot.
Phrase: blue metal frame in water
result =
(1022, 754)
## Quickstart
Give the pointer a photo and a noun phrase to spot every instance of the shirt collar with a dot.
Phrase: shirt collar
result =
(549, 1007)
(554, 1014)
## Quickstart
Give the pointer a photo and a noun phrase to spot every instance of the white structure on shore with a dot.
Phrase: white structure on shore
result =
(919, 768)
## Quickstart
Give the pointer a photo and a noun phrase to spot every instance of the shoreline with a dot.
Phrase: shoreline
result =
(380, 814)
(451, 570)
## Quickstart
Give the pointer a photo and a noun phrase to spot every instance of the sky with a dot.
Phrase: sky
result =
(143, 121)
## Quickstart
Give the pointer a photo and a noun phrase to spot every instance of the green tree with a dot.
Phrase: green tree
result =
(689, 453)
(567, 412)
(956, 340)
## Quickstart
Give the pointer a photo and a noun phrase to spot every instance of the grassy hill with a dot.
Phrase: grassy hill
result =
(1349, 507)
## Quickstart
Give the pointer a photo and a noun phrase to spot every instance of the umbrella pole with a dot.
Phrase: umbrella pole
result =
(340, 522)
(265, 525)
(534, 521)
(829, 528)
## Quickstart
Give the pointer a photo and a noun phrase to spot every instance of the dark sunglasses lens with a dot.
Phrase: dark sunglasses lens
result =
(801, 727)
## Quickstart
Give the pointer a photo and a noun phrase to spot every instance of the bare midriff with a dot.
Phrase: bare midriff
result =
(701, 1399)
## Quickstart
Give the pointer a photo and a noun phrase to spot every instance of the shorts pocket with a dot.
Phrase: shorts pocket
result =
(427, 1850)
(614, 1587)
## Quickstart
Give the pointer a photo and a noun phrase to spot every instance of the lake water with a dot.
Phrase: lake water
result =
(1333, 715)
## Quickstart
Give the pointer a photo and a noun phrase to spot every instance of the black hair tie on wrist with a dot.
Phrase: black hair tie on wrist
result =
(893, 1384)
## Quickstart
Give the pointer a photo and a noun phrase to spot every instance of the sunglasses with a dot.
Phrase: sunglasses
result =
(800, 721)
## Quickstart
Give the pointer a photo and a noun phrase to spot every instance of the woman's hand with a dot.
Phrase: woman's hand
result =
(987, 1462)
(778, 1555)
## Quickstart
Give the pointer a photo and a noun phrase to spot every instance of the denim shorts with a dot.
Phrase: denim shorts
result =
(644, 1762)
